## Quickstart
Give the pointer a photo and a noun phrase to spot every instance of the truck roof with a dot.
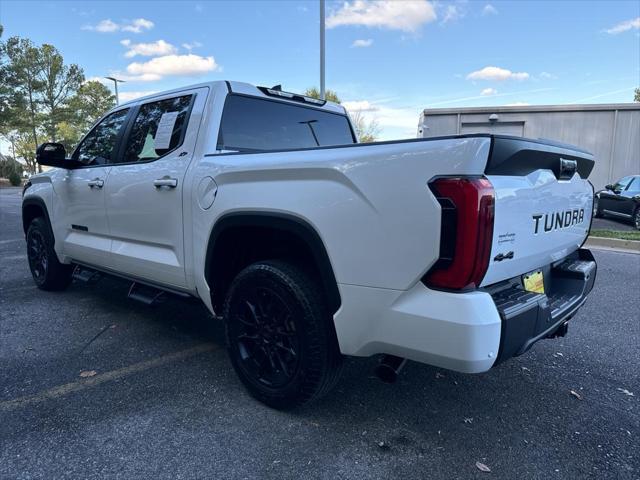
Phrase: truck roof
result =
(235, 87)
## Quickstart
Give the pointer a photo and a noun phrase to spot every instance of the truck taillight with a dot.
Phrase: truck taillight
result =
(466, 232)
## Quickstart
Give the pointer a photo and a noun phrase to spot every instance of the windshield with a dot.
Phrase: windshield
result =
(252, 123)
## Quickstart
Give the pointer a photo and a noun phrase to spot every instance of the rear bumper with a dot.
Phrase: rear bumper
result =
(528, 317)
(466, 332)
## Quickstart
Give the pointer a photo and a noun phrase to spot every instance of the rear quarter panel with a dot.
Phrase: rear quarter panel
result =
(370, 204)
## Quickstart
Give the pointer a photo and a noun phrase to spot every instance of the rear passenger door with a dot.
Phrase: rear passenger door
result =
(144, 192)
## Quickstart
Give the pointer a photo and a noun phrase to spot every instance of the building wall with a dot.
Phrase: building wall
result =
(611, 134)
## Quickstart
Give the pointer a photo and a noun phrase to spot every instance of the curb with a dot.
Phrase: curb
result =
(615, 244)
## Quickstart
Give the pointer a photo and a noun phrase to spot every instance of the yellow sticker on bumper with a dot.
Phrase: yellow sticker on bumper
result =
(533, 282)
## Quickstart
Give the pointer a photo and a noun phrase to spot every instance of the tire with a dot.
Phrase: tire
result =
(636, 218)
(597, 213)
(47, 272)
(280, 335)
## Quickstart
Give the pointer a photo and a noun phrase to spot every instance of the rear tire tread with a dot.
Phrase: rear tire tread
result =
(323, 368)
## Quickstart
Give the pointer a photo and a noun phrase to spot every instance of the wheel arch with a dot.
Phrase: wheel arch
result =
(278, 223)
(33, 207)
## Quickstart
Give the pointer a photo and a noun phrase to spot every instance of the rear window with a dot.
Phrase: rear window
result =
(251, 123)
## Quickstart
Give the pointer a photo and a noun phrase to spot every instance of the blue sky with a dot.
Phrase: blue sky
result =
(388, 59)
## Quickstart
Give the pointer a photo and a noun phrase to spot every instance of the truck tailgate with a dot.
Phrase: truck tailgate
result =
(543, 204)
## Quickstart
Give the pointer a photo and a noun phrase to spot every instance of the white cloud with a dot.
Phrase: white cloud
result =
(128, 96)
(452, 13)
(152, 49)
(191, 46)
(407, 16)
(362, 43)
(497, 73)
(138, 25)
(360, 106)
(394, 122)
(488, 91)
(489, 10)
(109, 26)
(624, 26)
(547, 76)
(167, 65)
(103, 26)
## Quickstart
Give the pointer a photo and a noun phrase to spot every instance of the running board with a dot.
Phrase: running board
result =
(146, 294)
(140, 290)
(86, 275)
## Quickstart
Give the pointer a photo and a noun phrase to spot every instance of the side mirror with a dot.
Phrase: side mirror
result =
(609, 187)
(54, 155)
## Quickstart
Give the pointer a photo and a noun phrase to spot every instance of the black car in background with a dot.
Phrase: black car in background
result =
(620, 200)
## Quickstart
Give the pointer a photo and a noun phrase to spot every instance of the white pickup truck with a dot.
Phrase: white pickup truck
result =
(459, 252)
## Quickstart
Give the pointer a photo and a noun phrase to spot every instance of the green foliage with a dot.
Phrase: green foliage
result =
(15, 179)
(11, 169)
(330, 95)
(623, 235)
(59, 82)
(636, 95)
(43, 99)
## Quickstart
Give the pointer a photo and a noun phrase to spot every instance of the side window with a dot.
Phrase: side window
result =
(158, 128)
(98, 147)
(635, 185)
(622, 184)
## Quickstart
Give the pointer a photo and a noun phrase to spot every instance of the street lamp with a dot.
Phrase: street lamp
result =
(115, 82)
(322, 50)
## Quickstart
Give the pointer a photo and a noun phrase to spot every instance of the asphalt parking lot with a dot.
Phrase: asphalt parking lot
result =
(165, 403)
(612, 224)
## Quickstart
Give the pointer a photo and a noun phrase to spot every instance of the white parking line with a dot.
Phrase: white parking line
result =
(62, 390)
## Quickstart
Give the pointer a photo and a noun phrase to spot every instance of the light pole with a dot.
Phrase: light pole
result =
(115, 82)
(322, 49)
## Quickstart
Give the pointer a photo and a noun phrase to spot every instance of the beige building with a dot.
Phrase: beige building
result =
(610, 131)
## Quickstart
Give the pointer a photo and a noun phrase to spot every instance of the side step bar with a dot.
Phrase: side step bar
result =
(139, 290)
(146, 294)
(85, 275)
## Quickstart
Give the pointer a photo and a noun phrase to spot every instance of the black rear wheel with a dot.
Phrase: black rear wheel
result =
(47, 272)
(636, 218)
(280, 335)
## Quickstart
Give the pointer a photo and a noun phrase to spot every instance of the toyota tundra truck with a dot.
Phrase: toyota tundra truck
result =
(458, 252)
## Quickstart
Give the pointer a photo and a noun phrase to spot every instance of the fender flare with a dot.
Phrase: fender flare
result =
(285, 222)
(38, 202)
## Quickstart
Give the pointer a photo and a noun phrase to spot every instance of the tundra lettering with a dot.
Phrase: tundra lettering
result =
(310, 247)
(558, 220)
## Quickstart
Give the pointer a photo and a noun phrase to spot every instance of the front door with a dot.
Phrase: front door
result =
(81, 219)
(144, 192)
(612, 201)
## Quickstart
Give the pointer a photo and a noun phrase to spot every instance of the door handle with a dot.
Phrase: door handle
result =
(165, 181)
(96, 182)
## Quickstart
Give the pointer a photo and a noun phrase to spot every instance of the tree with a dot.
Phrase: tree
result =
(23, 80)
(11, 169)
(82, 110)
(59, 82)
(41, 98)
(367, 131)
(25, 151)
(636, 96)
(330, 95)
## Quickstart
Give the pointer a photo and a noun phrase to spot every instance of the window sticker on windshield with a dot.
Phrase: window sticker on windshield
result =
(165, 129)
